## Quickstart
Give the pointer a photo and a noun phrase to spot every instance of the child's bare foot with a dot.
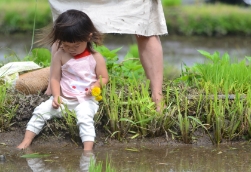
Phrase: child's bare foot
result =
(23, 145)
(28, 137)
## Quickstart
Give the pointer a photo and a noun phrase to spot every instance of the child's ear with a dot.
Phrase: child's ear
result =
(90, 36)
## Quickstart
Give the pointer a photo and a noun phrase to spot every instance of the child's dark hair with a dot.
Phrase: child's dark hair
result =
(73, 26)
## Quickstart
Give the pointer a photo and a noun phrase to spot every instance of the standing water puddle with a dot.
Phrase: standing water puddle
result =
(186, 158)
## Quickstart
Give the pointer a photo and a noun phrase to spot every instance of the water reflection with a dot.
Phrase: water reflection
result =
(177, 49)
(186, 158)
(61, 160)
(39, 164)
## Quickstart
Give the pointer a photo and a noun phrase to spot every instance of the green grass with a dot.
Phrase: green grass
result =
(7, 111)
(18, 16)
(220, 73)
(170, 3)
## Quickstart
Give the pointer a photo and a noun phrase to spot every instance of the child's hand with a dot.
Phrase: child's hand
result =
(56, 102)
(88, 92)
(94, 91)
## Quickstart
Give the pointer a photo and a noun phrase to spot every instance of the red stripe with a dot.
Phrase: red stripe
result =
(83, 54)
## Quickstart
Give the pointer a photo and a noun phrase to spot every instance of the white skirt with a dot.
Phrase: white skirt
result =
(141, 17)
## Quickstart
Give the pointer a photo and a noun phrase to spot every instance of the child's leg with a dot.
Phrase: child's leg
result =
(88, 145)
(28, 137)
(41, 114)
(85, 113)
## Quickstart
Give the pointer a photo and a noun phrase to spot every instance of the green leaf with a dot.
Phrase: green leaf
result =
(127, 120)
(205, 53)
(35, 155)
(248, 58)
(132, 149)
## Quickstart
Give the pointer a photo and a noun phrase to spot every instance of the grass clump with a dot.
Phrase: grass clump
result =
(223, 92)
(98, 166)
(220, 74)
(7, 112)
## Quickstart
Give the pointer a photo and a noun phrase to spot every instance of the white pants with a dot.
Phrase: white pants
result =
(85, 112)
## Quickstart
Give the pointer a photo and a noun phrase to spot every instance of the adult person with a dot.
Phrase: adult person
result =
(143, 18)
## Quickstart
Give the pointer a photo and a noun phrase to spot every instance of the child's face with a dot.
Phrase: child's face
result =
(74, 48)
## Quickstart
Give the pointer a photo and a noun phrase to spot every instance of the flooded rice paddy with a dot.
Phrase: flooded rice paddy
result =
(182, 158)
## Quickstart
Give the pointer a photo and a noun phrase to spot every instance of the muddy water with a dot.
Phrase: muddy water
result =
(187, 158)
(177, 49)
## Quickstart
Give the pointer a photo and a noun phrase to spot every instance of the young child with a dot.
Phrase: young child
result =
(76, 68)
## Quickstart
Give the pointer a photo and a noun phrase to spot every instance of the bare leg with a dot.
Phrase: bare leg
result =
(88, 145)
(151, 57)
(28, 137)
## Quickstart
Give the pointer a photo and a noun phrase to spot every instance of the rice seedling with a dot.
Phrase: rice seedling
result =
(208, 105)
(70, 118)
(6, 113)
(98, 167)
(165, 119)
(234, 118)
(183, 121)
(247, 115)
(219, 119)
(111, 104)
(6, 118)
(248, 122)
(220, 73)
(122, 110)
(108, 167)
(223, 84)
(141, 105)
(3, 93)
